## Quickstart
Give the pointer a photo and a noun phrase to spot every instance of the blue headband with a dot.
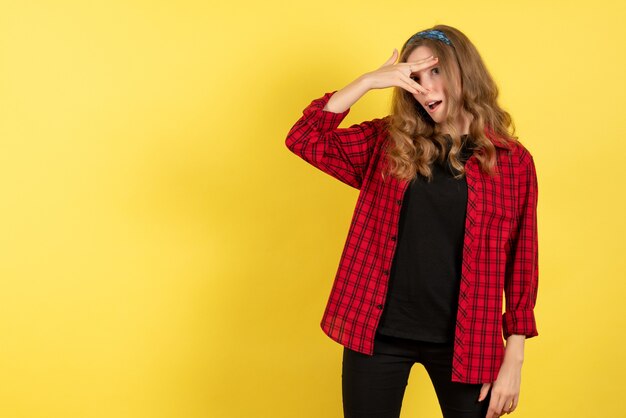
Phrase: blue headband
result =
(432, 34)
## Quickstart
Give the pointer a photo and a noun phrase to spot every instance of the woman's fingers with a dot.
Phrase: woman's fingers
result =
(421, 64)
(508, 406)
(392, 59)
(515, 402)
(392, 74)
(408, 87)
(415, 87)
(484, 390)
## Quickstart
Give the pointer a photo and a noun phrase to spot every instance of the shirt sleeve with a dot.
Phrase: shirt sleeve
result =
(343, 153)
(521, 277)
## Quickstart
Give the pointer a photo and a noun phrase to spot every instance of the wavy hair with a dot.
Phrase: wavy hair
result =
(415, 141)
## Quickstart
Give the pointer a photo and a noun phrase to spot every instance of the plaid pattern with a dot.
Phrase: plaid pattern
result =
(499, 246)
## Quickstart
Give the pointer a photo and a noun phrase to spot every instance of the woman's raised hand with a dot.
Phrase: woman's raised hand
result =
(390, 74)
(398, 75)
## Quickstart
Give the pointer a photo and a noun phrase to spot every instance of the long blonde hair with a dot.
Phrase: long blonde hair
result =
(414, 139)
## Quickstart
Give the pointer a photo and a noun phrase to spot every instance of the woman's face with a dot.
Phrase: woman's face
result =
(430, 78)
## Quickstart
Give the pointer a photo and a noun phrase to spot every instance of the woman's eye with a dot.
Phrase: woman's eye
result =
(417, 79)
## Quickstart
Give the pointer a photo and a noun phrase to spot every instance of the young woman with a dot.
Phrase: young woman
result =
(444, 226)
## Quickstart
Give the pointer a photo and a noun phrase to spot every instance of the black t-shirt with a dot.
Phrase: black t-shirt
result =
(424, 281)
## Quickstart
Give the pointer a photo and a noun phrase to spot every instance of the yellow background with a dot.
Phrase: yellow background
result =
(164, 255)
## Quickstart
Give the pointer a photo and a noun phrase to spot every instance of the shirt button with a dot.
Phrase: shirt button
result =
(399, 202)
(386, 272)
(393, 238)
(379, 306)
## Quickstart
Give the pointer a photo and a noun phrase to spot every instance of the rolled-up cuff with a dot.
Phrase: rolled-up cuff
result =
(520, 322)
(325, 120)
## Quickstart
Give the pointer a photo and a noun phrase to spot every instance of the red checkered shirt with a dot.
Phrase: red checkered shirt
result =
(499, 244)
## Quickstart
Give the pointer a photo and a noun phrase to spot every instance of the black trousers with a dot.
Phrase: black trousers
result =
(373, 386)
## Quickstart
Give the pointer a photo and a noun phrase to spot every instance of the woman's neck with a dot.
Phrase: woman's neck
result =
(462, 124)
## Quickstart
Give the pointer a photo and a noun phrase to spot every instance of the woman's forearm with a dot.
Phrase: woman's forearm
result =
(514, 350)
(347, 96)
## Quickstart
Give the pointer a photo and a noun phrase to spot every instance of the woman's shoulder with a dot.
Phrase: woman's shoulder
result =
(510, 144)
(521, 152)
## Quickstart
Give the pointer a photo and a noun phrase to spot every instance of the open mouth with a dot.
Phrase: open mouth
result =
(432, 106)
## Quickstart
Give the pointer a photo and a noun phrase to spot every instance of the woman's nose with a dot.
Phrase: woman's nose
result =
(427, 84)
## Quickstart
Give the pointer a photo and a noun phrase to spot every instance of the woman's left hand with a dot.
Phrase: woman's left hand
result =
(505, 391)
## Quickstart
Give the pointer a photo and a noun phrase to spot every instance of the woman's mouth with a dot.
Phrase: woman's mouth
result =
(432, 106)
